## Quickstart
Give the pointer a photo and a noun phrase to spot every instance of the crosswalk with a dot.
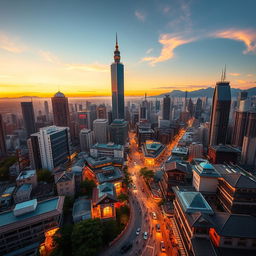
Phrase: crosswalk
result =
(177, 236)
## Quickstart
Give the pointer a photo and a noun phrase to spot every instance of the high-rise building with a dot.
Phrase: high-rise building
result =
(241, 96)
(117, 80)
(198, 108)
(93, 114)
(28, 117)
(100, 128)
(119, 131)
(86, 137)
(191, 107)
(166, 107)
(84, 119)
(46, 109)
(60, 110)
(54, 146)
(220, 112)
(3, 150)
(34, 151)
(101, 112)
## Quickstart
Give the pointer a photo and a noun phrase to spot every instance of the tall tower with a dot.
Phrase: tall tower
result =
(166, 107)
(28, 117)
(60, 110)
(220, 112)
(117, 81)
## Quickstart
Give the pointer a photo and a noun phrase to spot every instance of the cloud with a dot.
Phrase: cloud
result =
(247, 36)
(149, 50)
(250, 75)
(234, 74)
(169, 42)
(49, 57)
(166, 9)
(182, 87)
(9, 45)
(240, 81)
(140, 15)
(88, 67)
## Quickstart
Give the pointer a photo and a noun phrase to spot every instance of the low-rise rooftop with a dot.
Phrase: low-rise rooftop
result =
(26, 174)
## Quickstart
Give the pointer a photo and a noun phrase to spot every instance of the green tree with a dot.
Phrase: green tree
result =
(146, 174)
(127, 177)
(110, 230)
(87, 237)
(44, 175)
(63, 241)
(4, 167)
(87, 187)
(123, 197)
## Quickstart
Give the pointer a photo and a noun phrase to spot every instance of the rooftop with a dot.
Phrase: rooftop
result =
(180, 150)
(110, 173)
(59, 95)
(107, 146)
(82, 206)
(152, 148)
(225, 148)
(7, 218)
(8, 191)
(26, 174)
(25, 187)
(206, 169)
(192, 201)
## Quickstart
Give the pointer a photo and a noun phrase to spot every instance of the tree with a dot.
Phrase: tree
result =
(110, 230)
(123, 197)
(44, 175)
(147, 174)
(87, 187)
(127, 177)
(87, 237)
(4, 167)
(62, 241)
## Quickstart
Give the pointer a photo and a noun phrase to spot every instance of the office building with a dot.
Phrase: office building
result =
(84, 119)
(101, 112)
(107, 150)
(86, 138)
(27, 177)
(54, 146)
(195, 150)
(3, 149)
(28, 117)
(220, 112)
(100, 129)
(34, 152)
(46, 110)
(198, 108)
(117, 81)
(60, 110)
(241, 96)
(23, 193)
(166, 107)
(24, 227)
(119, 131)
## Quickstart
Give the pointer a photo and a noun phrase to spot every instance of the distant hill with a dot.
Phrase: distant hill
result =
(208, 92)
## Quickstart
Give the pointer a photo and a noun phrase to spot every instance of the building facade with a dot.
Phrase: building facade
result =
(28, 117)
(100, 129)
(86, 138)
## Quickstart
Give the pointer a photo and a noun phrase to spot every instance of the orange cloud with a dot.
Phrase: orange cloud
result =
(9, 45)
(169, 42)
(247, 36)
(234, 74)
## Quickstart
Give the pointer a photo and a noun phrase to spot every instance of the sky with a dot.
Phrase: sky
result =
(68, 45)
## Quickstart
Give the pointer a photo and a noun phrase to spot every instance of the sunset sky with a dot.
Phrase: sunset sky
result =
(51, 45)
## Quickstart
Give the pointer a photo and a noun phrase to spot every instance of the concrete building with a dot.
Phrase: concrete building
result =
(28, 117)
(81, 209)
(23, 193)
(101, 112)
(84, 119)
(119, 131)
(100, 129)
(34, 151)
(3, 149)
(54, 146)
(86, 138)
(6, 197)
(27, 177)
(60, 110)
(220, 113)
(195, 150)
(166, 107)
(117, 82)
(107, 150)
(65, 184)
(181, 152)
(23, 228)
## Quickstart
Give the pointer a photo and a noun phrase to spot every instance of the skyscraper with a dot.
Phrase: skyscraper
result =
(117, 81)
(220, 112)
(198, 109)
(100, 128)
(60, 110)
(119, 131)
(166, 107)
(101, 112)
(3, 150)
(86, 138)
(46, 109)
(28, 117)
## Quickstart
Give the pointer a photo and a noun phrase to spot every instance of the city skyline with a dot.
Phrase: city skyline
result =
(165, 45)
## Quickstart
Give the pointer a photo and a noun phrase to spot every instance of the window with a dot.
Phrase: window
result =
(107, 211)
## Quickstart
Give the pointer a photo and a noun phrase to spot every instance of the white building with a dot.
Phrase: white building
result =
(100, 128)
(205, 177)
(55, 146)
(86, 138)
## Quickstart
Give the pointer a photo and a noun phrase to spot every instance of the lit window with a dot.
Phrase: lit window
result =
(107, 211)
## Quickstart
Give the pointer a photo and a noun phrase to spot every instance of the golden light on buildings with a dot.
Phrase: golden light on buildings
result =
(107, 211)
(46, 248)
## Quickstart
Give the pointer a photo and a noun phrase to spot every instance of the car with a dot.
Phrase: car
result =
(145, 236)
(158, 228)
(138, 231)
(154, 216)
(125, 248)
(162, 246)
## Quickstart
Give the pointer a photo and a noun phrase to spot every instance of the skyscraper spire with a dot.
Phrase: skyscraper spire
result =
(116, 52)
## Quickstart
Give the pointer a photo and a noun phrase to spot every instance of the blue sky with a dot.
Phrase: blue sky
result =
(47, 44)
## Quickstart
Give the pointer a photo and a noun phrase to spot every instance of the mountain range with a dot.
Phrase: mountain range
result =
(208, 92)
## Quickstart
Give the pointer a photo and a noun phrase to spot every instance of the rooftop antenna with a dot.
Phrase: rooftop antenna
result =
(224, 74)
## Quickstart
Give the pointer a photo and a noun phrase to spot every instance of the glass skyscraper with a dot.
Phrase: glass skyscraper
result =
(117, 81)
